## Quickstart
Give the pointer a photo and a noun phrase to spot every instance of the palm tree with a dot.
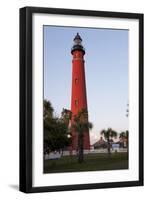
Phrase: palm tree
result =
(81, 125)
(66, 116)
(108, 134)
(124, 135)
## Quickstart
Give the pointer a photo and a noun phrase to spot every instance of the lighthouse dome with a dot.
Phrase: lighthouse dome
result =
(77, 44)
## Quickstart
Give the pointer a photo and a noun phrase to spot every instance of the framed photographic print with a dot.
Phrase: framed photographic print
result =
(81, 99)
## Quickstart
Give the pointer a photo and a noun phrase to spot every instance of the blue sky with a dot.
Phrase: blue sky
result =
(106, 69)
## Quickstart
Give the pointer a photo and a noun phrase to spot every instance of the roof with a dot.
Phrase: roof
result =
(78, 37)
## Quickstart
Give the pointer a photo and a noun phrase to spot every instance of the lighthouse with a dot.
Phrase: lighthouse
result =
(78, 94)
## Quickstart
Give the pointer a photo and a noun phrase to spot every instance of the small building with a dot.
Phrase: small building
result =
(101, 143)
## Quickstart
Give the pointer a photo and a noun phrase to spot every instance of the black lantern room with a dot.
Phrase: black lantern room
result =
(77, 44)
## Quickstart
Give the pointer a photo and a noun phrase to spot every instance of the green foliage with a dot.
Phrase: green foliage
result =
(55, 130)
(66, 116)
(125, 137)
(108, 134)
(81, 124)
(124, 134)
(47, 110)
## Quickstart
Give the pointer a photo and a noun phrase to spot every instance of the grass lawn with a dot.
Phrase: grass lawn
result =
(92, 162)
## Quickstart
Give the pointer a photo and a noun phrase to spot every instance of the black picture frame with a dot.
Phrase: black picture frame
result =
(26, 90)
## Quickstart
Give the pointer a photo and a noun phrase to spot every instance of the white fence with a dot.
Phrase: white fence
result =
(57, 155)
(52, 156)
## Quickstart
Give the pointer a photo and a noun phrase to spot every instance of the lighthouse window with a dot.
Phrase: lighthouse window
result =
(76, 102)
(76, 80)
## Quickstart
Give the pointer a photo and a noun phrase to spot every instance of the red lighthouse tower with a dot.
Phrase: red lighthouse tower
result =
(78, 97)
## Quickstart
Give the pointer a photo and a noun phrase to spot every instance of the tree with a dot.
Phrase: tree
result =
(108, 134)
(81, 125)
(56, 135)
(124, 135)
(55, 130)
(47, 121)
(66, 116)
(47, 109)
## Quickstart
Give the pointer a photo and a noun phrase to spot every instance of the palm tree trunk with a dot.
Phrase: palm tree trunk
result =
(80, 147)
(109, 152)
